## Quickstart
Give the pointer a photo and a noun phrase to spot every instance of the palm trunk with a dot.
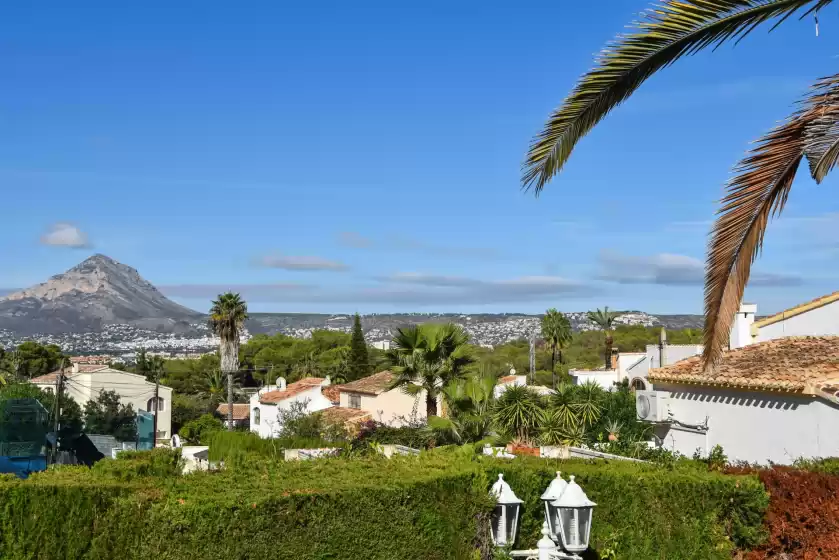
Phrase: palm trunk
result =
(229, 351)
(608, 353)
(430, 404)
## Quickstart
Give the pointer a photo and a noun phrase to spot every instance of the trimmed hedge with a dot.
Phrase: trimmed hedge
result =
(647, 511)
(374, 509)
(434, 506)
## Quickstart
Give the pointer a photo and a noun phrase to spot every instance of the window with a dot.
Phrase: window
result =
(638, 384)
(161, 405)
(355, 401)
(256, 416)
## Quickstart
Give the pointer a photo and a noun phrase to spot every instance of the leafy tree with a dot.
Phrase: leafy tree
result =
(141, 362)
(359, 363)
(227, 318)
(763, 179)
(186, 408)
(428, 357)
(199, 428)
(31, 359)
(604, 319)
(556, 329)
(108, 416)
(70, 418)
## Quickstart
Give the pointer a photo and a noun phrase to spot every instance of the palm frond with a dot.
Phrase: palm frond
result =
(757, 193)
(669, 31)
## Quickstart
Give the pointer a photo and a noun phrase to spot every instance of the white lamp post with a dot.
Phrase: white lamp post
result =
(549, 497)
(506, 518)
(574, 514)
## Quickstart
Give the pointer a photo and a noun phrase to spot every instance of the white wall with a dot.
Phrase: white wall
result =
(816, 322)
(605, 379)
(752, 426)
(269, 423)
(132, 389)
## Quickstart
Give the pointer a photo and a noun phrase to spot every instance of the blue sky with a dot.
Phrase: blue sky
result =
(339, 157)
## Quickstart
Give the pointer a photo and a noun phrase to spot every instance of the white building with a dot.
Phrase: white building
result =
(85, 382)
(507, 381)
(769, 401)
(373, 394)
(819, 317)
(266, 404)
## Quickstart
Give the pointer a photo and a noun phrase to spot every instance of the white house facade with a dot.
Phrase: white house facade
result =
(770, 401)
(85, 382)
(265, 405)
(373, 395)
(819, 317)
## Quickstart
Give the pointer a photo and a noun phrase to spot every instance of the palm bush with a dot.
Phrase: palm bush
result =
(518, 413)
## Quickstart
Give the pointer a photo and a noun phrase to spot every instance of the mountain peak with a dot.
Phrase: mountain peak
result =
(97, 291)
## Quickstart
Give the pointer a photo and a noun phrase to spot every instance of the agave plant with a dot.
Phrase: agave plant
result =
(574, 436)
(614, 428)
(762, 181)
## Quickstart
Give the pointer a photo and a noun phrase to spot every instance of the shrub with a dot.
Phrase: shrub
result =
(372, 509)
(415, 436)
(129, 465)
(235, 446)
(646, 511)
(197, 431)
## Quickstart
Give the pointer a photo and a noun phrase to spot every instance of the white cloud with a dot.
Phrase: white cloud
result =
(302, 263)
(65, 235)
(673, 270)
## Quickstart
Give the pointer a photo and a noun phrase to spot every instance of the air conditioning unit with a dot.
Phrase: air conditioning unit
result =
(652, 406)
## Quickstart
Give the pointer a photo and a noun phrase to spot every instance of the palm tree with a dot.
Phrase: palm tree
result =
(518, 412)
(469, 403)
(556, 329)
(604, 319)
(214, 385)
(227, 318)
(427, 358)
(763, 180)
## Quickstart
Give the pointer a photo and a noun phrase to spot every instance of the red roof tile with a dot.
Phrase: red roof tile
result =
(371, 385)
(794, 364)
(340, 415)
(332, 392)
(292, 389)
(240, 411)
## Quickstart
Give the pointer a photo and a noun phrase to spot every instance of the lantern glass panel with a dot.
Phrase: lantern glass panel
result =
(505, 523)
(552, 517)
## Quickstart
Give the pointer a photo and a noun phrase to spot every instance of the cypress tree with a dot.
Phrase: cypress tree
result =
(359, 361)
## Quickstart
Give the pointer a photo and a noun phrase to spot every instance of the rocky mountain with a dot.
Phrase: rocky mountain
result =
(99, 291)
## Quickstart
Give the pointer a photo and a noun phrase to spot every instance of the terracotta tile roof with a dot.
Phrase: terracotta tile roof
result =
(797, 310)
(240, 411)
(342, 415)
(375, 384)
(795, 364)
(332, 392)
(507, 379)
(292, 389)
(82, 368)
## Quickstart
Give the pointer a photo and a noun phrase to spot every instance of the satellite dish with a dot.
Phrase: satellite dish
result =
(176, 441)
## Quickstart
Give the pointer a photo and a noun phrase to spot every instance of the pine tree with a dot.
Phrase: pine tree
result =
(359, 365)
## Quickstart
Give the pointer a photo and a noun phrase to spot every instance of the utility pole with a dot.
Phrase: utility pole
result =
(532, 356)
(156, 407)
(59, 382)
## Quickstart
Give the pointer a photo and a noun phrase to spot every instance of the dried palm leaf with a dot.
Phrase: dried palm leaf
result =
(757, 193)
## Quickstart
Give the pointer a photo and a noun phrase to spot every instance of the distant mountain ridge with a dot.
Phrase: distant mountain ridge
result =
(96, 292)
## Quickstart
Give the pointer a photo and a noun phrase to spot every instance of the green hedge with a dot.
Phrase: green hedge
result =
(434, 506)
(236, 446)
(647, 511)
(373, 509)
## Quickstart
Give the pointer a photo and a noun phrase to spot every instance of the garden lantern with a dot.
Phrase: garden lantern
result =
(574, 514)
(549, 498)
(505, 523)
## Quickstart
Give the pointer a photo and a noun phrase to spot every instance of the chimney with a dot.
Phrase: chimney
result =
(281, 384)
(741, 328)
(662, 348)
(75, 368)
(614, 360)
(326, 382)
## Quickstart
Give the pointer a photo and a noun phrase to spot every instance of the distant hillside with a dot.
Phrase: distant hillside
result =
(97, 292)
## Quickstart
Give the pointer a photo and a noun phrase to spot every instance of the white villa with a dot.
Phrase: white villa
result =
(774, 396)
(84, 382)
(267, 402)
(373, 395)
